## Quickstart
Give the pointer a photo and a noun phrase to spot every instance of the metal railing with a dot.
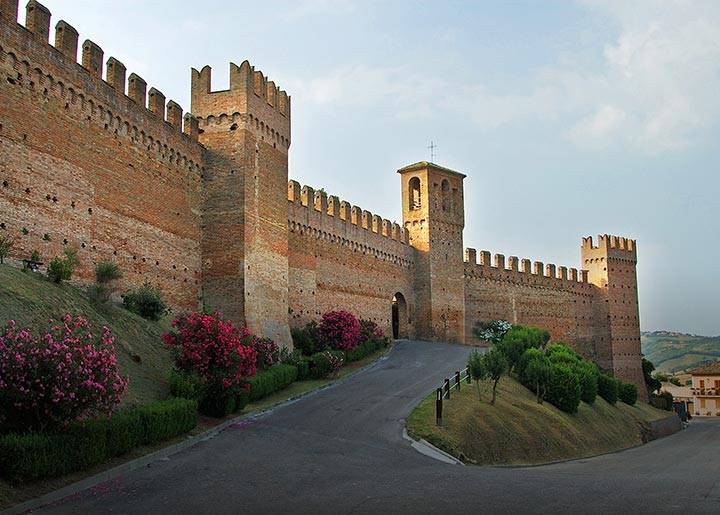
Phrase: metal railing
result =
(443, 392)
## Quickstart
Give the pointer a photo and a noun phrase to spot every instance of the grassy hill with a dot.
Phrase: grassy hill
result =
(673, 352)
(519, 431)
(31, 300)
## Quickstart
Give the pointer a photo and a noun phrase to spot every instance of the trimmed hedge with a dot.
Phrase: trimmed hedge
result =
(361, 351)
(627, 392)
(33, 456)
(272, 380)
(608, 388)
(320, 366)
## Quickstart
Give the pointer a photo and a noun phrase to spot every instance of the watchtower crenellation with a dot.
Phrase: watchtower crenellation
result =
(251, 100)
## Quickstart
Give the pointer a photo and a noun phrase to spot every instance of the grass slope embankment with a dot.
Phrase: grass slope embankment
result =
(519, 431)
(31, 300)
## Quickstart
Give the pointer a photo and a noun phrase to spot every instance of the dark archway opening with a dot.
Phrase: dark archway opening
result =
(399, 316)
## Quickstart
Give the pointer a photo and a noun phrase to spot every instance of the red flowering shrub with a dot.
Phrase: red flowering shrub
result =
(214, 349)
(369, 330)
(67, 373)
(340, 330)
(268, 352)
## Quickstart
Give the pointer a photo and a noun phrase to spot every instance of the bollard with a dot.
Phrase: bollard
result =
(438, 406)
(446, 387)
(457, 380)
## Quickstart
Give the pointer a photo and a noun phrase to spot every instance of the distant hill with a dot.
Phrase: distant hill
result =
(673, 352)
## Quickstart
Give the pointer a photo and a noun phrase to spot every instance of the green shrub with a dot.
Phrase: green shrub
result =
(145, 301)
(272, 380)
(324, 364)
(184, 385)
(608, 388)
(363, 350)
(524, 360)
(124, 432)
(588, 376)
(519, 339)
(6, 243)
(627, 392)
(563, 389)
(296, 359)
(586, 371)
(166, 419)
(107, 271)
(307, 339)
(217, 402)
(61, 268)
(33, 456)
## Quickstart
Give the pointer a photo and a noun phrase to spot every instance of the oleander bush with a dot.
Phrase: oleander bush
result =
(50, 380)
(219, 353)
(340, 330)
(33, 456)
(268, 352)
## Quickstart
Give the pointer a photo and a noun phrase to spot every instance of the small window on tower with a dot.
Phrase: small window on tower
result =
(414, 191)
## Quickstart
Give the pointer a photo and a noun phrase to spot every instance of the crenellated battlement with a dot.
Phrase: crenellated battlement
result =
(521, 270)
(252, 102)
(327, 217)
(613, 246)
(37, 23)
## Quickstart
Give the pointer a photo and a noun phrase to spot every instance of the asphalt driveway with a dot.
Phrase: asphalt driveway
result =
(341, 450)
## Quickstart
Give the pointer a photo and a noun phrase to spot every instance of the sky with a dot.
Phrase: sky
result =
(569, 118)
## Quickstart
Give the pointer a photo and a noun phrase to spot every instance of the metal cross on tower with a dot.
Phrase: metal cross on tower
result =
(432, 148)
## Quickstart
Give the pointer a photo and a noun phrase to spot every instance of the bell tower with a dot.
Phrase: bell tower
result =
(433, 214)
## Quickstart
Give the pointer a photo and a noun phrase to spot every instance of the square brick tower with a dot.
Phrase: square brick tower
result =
(611, 266)
(433, 214)
(246, 131)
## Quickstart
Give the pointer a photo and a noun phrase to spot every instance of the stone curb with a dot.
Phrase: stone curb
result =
(166, 452)
(427, 449)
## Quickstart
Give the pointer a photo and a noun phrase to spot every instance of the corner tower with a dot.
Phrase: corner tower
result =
(611, 266)
(246, 131)
(433, 214)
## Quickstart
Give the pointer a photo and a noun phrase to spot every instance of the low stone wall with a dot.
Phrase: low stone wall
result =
(664, 427)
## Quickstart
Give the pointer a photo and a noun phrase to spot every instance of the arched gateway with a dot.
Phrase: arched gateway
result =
(399, 316)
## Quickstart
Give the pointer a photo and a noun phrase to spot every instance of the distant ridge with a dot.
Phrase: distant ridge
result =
(673, 351)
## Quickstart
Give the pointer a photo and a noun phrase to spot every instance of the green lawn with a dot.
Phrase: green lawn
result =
(31, 300)
(518, 431)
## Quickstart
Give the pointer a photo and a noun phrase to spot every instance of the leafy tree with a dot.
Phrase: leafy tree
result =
(519, 339)
(496, 365)
(492, 331)
(537, 373)
(477, 369)
(652, 384)
(6, 244)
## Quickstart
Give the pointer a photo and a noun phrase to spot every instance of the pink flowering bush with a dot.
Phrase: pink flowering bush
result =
(66, 374)
(268, 352)
(340, 330)
(219, 353)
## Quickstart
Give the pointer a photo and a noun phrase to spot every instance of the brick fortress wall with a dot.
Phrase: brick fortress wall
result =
(344, 257)
(82, 164)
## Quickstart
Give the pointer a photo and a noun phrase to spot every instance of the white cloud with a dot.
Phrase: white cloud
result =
(653, 87)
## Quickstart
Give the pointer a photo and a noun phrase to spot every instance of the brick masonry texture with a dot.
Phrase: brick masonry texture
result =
(200, 205)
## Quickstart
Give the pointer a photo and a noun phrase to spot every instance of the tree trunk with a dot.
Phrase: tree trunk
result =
(494, 390)
(478, 389)
(537, 391)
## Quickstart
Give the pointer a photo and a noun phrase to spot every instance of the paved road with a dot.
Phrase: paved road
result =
(342, 451)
